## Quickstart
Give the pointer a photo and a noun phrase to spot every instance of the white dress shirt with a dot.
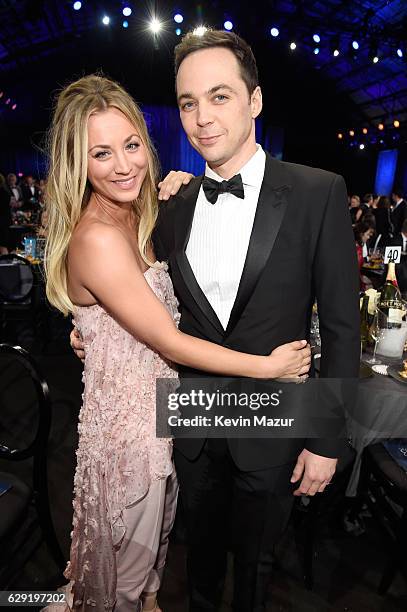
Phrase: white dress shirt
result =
(220, 235)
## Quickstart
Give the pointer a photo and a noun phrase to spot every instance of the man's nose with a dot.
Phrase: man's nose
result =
(204, 115)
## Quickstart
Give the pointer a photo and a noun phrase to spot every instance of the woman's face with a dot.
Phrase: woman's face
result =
(117, 158)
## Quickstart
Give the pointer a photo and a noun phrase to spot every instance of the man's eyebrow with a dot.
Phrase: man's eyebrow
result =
(213, 90)
(105, 146)
(188, 95)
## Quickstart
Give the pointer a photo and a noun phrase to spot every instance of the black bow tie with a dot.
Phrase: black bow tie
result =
(213, 188)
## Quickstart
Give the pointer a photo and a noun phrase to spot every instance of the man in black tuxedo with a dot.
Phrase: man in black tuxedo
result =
(247, 257)
(399, 212)
(30, 193)
(15, 191)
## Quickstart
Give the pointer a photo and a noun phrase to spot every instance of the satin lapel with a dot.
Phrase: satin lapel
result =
(270, 212)
(183, 222)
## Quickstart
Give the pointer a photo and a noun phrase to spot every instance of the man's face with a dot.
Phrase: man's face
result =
(217, 112)
(30, 181)
(12, 180)
(394, 197)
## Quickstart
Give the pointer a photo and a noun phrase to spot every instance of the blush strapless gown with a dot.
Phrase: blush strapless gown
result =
(118, 454)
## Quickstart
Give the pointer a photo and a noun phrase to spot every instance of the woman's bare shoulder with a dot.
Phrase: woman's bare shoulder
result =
(94, 234)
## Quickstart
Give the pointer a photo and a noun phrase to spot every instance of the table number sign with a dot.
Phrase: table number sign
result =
(392, 254)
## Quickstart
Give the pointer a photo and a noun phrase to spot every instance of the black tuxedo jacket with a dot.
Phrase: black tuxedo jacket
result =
(301, 248)
(27, 195)
(397, 217)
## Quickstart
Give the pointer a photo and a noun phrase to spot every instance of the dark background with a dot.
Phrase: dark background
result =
(301, 95)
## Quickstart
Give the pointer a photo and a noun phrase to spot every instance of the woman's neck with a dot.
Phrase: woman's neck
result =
(122, 213)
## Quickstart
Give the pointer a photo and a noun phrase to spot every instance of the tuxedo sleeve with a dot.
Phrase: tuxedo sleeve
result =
(160, 233)
(336, 283)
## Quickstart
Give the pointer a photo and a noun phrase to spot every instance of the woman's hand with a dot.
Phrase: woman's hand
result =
(172, 183)
(291, 360)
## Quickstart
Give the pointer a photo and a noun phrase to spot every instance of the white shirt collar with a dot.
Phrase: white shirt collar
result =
(252, 172)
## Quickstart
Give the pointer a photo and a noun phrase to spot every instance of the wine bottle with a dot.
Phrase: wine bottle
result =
(364, 323)
(390, 301)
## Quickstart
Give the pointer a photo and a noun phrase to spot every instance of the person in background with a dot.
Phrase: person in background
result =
(363, 231)
(399, 211)
(355, 209)
(383, 223)
(367, 208)
(30, 193)
(16, 201)
(401, 268)
(5, 216)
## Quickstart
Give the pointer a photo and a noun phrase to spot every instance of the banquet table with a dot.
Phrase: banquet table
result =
(17, 233)
(379, 413)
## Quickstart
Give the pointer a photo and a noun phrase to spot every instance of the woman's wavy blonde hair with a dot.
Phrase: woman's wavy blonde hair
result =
(68, 189)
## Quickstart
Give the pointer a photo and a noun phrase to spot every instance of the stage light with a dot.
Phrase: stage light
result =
(293, 46)
(351, 133)
(316, 38)
(77, 6)
(106, 20)
(178, 18)
(20, 174)
(361, 146)
(127, 11)
(8, 101)
(373, 53)
(336, 52)
(274, 32)
(396, 123)
(364, 130)
(200, 30)
(125, 24)
(155, 25)
(228, 25)
(14, 107)
(316, 50)
(400, 52)
(381, 127)
(355, 45)
(340, 135)
(178, 31)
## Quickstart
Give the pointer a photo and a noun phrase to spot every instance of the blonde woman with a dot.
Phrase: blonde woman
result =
(102, 207)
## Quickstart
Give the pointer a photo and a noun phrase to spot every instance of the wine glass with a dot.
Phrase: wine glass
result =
(376, 333)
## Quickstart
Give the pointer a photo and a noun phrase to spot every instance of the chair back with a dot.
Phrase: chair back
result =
(16, 279)
(25, 406)
(25, 422)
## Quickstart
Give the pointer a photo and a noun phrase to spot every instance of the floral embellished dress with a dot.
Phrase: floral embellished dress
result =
(119, 454)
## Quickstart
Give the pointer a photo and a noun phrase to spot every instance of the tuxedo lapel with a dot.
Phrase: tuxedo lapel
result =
(270, 211)
(183, 222)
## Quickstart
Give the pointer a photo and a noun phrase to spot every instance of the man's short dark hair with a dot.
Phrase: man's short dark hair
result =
(228, 40)
(367, 198)
(397, 191)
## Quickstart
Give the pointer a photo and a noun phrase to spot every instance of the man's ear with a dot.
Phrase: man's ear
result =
(256, 102)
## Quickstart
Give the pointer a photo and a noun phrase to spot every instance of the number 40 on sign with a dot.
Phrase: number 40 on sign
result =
(392, 254)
